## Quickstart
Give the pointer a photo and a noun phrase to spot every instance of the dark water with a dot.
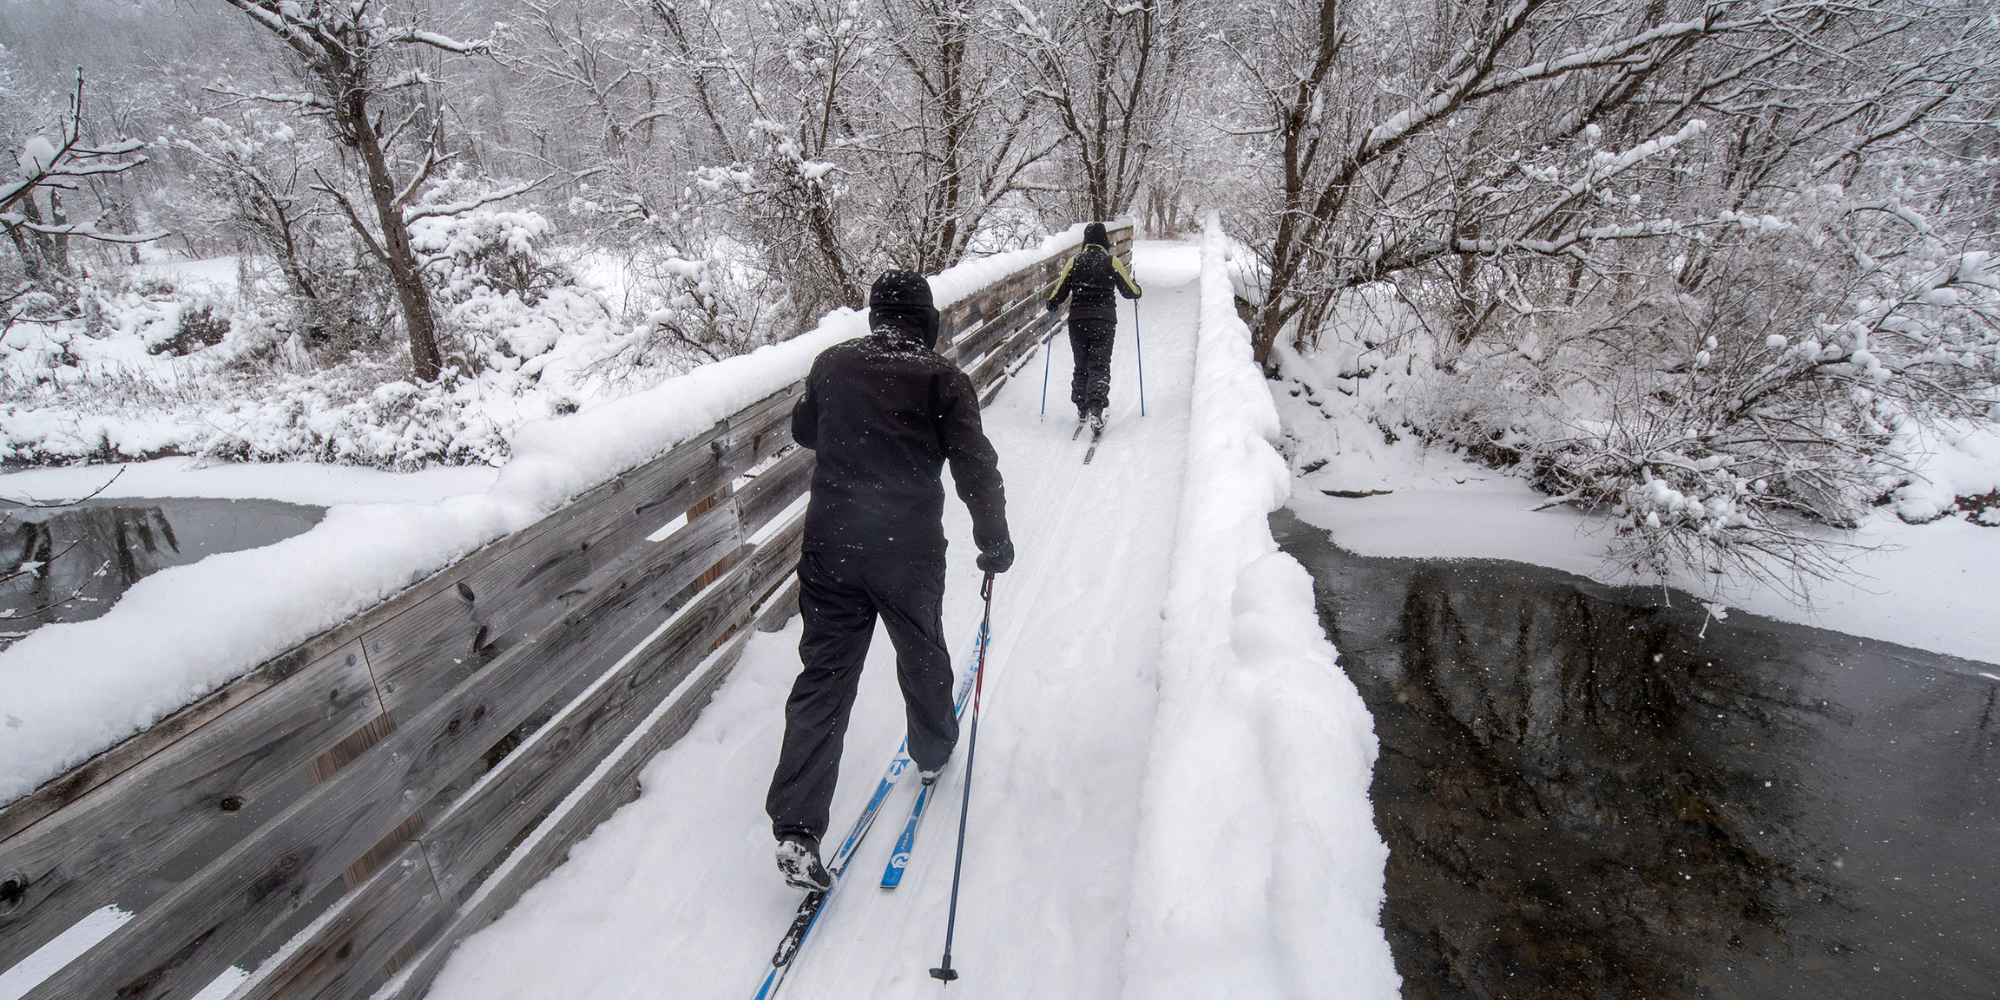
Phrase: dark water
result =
(82, 558)
(1585, 796)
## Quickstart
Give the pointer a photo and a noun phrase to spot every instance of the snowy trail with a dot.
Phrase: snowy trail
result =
(676, 895)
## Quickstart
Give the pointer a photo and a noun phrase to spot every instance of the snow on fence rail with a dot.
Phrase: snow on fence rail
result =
(1255, 724)
(438, 752)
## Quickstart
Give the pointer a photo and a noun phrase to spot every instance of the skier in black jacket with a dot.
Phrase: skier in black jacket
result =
(1088, 281)
(884, 412)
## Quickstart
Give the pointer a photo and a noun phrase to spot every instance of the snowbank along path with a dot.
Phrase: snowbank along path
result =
(677, 896)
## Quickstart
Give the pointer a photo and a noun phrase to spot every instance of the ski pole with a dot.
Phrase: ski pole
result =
(1139, 352)
(1048, 344)
(945, 972)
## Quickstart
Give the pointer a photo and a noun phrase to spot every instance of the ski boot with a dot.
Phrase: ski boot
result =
(798, 859)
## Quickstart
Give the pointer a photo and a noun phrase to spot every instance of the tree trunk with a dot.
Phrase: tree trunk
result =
(404, 270)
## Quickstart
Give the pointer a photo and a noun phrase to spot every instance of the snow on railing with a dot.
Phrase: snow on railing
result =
(1266, 869)
(603, 584)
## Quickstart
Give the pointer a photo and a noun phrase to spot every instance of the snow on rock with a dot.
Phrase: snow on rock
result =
(74, 689)
(1267, 870)
(1955, 461)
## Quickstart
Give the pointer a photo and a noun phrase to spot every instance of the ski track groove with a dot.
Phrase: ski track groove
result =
(676, 896)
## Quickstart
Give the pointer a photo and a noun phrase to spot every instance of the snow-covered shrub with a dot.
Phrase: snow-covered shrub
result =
(201, 325)
(1717, 421)
(696, 307)
(1954, 468)
(313, 278)
(483, 250)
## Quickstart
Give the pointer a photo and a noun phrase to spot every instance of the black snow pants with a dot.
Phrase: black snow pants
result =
(840, 597)
(1090, 383)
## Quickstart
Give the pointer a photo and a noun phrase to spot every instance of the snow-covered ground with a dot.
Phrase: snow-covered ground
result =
(1093, 869)
(1931, 585)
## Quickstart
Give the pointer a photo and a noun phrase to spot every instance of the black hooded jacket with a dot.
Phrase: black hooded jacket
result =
(1091, 277)
(885, 413)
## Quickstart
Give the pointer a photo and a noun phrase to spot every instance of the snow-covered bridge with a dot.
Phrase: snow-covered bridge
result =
(1172, 784)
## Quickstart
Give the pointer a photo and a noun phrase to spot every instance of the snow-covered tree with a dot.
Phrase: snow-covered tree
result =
(1111, 73)
(39, 204)
(1620, 225)
(361, 67)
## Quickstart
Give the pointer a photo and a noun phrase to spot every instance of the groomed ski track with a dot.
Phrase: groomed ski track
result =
(676, 895)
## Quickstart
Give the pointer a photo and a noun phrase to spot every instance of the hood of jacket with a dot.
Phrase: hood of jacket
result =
(901, 303)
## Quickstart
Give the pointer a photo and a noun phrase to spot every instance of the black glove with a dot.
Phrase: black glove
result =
(996, 560)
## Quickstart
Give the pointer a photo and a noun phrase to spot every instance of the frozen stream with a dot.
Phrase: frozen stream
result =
(1591, 791)
(84, 556)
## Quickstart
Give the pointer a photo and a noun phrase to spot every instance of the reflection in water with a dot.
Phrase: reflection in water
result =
(1584, 795)
(73, 563)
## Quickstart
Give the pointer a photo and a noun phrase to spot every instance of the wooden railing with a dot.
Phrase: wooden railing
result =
(346, 813)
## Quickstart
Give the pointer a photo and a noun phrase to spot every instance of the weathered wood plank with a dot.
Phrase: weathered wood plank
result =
(613, 785)
(774, 489)
(88, 855)
(74, 784)
(347, 951)
(767, 414)
(482, 823)
(371, 924)
(419, 654)
(1026, 316)
(990, 368)
(978, 310)
(197, 929)
(76, 860)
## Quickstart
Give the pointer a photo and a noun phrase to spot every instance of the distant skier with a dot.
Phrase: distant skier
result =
(884, 412)
(1091, 276)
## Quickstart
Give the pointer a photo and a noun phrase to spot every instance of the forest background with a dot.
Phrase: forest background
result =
(1719, 272)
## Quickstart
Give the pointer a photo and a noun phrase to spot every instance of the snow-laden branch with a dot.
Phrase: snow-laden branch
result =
(1572, 243)
(1477, 81)
(56, 165)
(300, 99)
(353, 214)
(87, 230)
(483, 199)
(1896, 125)
(418, 36)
